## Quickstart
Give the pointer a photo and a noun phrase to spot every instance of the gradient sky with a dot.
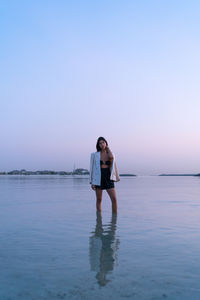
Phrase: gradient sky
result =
(75, 70)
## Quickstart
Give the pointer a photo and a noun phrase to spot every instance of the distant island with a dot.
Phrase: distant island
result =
(127, 175)
(79, 171)
(179, 174)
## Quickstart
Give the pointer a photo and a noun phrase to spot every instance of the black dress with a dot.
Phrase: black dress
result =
(106, 182)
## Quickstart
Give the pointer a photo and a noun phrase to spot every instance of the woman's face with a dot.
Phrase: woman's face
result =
(102, 144)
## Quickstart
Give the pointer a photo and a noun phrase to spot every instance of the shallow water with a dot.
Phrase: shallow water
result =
(55, 246)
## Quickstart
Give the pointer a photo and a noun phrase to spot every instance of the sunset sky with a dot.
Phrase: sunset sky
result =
(72, 71)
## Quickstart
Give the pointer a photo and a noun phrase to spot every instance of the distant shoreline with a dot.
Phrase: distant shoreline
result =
(130, 175)
(79, 171)
(179, 174)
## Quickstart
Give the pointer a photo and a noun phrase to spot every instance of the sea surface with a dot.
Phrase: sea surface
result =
(53, 244)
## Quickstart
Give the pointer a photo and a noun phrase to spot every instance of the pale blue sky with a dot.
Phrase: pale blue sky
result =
(75, 70)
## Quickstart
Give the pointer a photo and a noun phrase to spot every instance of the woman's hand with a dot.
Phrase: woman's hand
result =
(107, 149)
(109, 152)
(93, 187)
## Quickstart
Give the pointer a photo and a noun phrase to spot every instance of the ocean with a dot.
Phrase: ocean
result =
(54, 245)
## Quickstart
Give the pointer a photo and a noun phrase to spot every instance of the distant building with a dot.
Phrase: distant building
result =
(80, 172)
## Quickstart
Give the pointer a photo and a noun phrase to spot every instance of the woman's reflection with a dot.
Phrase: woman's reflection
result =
(103, 248)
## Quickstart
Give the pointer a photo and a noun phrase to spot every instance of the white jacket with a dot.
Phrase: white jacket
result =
(95, 169)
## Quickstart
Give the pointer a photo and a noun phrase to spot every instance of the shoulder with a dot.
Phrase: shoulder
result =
(93, 154)
(113, 154)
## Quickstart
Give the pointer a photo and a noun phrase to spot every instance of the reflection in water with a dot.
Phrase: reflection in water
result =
(103, 248)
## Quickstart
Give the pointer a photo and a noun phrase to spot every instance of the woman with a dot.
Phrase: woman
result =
(103, 173)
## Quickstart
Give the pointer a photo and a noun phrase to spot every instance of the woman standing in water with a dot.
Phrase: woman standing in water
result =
(103, 173)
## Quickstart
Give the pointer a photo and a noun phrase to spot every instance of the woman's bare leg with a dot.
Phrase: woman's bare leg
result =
(113, 198)
(99, 199)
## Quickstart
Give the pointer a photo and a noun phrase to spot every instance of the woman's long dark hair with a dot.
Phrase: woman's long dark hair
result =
(100, 139)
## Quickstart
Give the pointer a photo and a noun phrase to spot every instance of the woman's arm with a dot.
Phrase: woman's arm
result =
(110, 155)
(91, 171)
(91, 167)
